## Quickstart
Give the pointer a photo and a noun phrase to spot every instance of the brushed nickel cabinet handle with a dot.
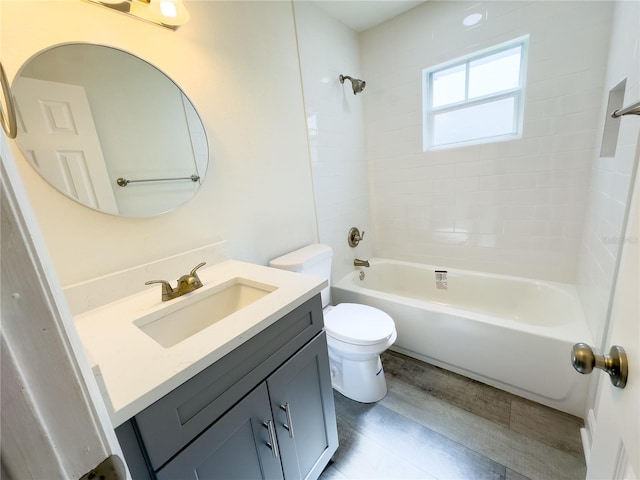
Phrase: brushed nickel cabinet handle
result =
(272, 437)
(289, 425)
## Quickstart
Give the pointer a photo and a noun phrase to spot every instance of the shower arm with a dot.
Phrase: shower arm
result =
(356, 84)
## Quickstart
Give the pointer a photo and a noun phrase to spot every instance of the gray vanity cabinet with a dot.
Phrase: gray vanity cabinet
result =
(265, 410)
(303, 411)
(284, 426)
(238, 446)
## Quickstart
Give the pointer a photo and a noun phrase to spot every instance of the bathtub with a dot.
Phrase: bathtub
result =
(512, 333)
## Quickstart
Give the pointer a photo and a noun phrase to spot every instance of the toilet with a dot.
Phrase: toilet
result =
(356, 334)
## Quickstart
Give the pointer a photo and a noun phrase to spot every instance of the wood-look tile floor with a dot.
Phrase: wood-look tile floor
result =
(434, 424)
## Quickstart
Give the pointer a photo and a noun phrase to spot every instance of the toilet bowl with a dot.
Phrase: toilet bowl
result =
(356, 334)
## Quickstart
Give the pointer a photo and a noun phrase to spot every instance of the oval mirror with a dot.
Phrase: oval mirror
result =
(109, 130)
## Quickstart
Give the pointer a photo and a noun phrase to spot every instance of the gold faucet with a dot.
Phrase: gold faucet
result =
(186, 283)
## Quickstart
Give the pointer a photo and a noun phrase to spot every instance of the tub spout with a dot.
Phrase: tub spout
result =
(361, 263)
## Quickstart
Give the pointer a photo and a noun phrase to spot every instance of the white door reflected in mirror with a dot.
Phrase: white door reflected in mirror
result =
(62, 143)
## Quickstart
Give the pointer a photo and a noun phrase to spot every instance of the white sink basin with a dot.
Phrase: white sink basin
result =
(200, 309)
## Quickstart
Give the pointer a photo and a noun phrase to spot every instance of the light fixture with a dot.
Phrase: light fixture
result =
(168, 13)
(168, 9)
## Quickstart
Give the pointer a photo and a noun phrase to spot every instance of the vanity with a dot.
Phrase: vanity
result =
(230, 380)
(247, 396)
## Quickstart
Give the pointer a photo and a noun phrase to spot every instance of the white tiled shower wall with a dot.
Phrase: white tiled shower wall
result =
(514, 207)
(611, 176)
(336, 132)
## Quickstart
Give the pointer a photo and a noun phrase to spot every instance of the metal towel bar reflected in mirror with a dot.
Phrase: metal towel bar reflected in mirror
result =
(123, 182)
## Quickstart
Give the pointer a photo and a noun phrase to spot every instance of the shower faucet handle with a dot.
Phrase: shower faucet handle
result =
(355, 237)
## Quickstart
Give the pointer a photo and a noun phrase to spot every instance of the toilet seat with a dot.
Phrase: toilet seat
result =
(358, 324)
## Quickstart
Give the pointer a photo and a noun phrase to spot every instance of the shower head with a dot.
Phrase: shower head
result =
(357, 84)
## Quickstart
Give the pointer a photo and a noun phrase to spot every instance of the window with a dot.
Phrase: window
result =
(475, 99)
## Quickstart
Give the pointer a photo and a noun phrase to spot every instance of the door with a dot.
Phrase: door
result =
(54, 423)
(303, 411)
(241, 445)
(57, 131)
(615, 451)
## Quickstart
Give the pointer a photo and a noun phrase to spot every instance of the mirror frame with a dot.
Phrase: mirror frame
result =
(8, 119)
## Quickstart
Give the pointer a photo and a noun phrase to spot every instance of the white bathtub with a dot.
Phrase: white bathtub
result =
(512, 333)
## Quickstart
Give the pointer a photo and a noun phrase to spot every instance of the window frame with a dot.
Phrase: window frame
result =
(517, 93)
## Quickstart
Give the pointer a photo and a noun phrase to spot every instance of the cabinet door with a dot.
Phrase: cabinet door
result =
(303, 411)
(238, 446)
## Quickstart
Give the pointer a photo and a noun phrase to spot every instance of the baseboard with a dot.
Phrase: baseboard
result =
(586, 434)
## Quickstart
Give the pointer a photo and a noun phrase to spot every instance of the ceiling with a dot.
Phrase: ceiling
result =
(359, 15)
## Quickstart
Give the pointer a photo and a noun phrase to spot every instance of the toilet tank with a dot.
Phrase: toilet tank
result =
(310, 260)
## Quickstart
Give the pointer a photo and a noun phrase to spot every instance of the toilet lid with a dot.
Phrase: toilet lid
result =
(358, 324)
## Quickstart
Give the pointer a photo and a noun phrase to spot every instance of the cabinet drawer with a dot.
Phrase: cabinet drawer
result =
(173, 421)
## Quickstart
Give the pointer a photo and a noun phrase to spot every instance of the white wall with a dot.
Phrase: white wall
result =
(237, 61)
(611, 176)
(336, 132)
(513, 207)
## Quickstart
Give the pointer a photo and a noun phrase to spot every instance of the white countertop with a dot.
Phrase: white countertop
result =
(133, 371)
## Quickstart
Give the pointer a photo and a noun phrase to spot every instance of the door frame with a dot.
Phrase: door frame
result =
(603, 418)
(54, 421)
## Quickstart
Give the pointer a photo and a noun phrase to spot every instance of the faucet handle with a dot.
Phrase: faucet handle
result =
(165, 284)
(193, 272)
(167, 290)
(354, 237)
(194, 275)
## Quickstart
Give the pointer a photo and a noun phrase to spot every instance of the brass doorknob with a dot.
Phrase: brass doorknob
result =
(615, 364)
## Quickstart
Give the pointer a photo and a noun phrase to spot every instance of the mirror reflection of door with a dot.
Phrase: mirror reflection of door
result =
(57, 130)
